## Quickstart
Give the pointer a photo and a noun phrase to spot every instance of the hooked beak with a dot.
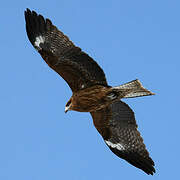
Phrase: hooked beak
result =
(66, 109)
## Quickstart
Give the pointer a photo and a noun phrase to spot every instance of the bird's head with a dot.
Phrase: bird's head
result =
(68, 106)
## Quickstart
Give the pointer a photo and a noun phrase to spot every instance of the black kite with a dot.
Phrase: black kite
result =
(113, 119)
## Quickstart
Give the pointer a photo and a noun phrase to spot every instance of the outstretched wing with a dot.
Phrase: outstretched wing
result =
(77, 68)
(116, 123)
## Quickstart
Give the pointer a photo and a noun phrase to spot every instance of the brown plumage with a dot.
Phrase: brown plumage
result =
(113, 119)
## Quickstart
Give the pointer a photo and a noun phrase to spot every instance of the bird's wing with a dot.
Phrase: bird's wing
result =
(77, 68)
(116, 123)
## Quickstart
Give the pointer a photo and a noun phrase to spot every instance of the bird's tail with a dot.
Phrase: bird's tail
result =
(132, 89)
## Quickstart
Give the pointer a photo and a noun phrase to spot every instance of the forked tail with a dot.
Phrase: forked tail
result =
(132, 89)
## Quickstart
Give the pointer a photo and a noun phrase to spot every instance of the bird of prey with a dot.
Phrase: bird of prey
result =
(113, 118)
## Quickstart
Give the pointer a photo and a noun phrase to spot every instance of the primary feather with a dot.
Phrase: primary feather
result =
(77, 68)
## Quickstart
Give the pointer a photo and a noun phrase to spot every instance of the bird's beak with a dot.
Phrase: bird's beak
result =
(66, 109)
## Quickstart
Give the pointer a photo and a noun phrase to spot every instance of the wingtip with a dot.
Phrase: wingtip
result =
(145, 164)
(152, 172)
(27, 10)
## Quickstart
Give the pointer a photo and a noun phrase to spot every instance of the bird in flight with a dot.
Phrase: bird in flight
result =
(113, 118)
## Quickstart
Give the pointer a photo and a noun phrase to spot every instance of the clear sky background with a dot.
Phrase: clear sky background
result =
(129, 39)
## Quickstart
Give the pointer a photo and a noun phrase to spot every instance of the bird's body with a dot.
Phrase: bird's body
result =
(90, 99)
(113, 119)
(98, 96)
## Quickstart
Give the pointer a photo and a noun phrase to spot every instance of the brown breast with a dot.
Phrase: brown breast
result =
(90, 99)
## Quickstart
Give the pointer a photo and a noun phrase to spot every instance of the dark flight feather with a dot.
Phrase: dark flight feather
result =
(77, 68)
(116, 123)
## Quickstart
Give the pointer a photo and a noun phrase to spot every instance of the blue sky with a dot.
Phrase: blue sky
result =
(129, 39)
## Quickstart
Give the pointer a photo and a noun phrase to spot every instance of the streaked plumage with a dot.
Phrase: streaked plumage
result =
(113, 119)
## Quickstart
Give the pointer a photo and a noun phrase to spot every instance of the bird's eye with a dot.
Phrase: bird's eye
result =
(68, 103)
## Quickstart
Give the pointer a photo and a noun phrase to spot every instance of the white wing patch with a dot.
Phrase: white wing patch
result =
(117, 146)
(112, 96)
(39, 39)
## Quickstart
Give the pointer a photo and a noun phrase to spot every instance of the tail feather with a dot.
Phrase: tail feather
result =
(133, 89)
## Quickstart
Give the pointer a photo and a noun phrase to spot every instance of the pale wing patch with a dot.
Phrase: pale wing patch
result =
(112, 96)
(118, 146)
(39, 39)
